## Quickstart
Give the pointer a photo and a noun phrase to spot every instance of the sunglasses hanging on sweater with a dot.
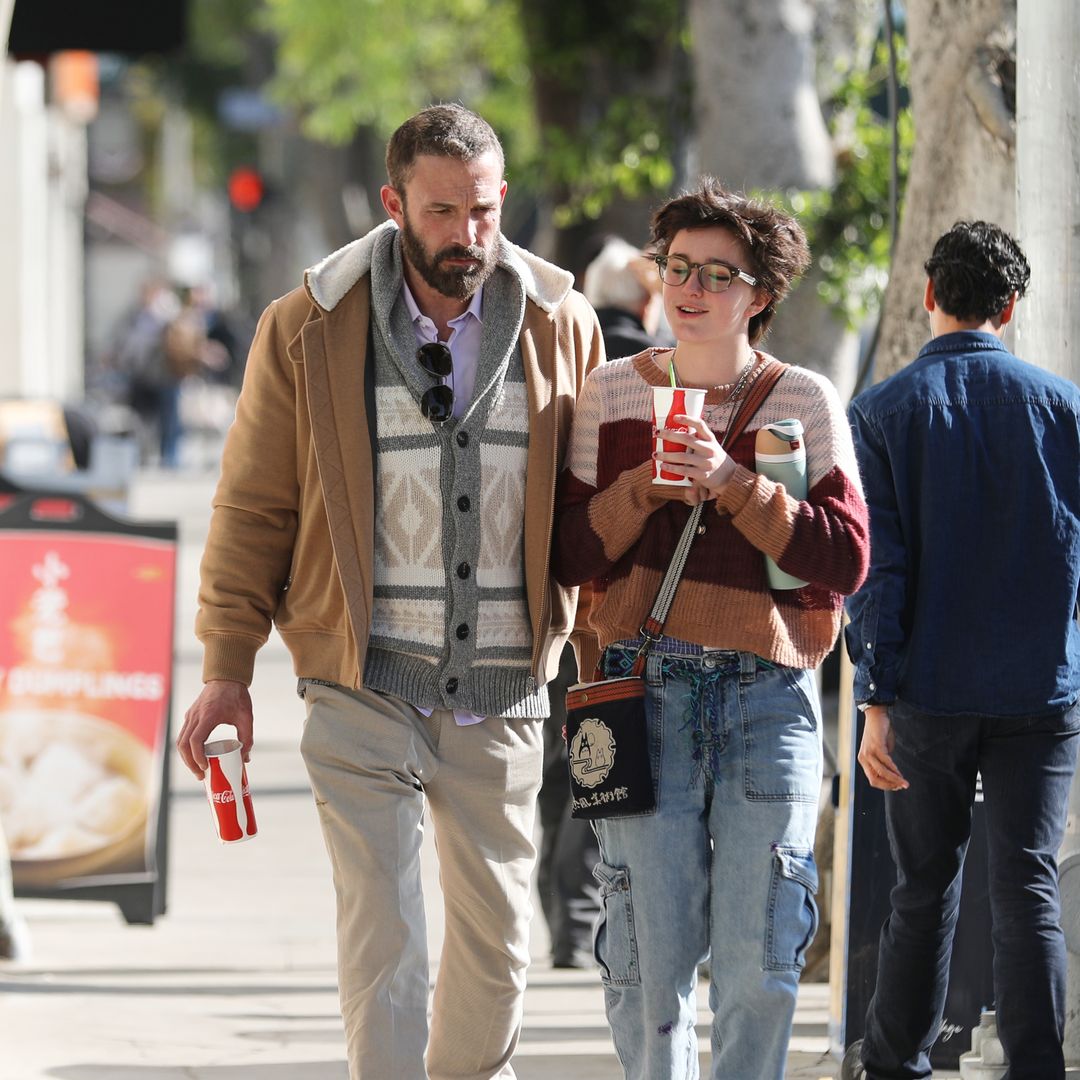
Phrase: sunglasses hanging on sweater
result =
(437, 402)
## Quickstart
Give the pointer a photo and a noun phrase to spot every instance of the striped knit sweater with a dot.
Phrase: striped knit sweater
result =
(619, 530)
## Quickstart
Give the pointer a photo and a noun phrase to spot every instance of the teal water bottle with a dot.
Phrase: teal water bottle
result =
(780, 454)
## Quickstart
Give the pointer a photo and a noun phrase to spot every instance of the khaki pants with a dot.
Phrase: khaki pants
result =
(374, 762)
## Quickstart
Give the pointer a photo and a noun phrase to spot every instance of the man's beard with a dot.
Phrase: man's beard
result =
(457, 282)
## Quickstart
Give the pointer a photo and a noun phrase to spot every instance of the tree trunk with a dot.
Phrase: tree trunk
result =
(1048, 185)
(761, 126)
(584, 58)
(760, 123)
(1048, 319)
(963, 59)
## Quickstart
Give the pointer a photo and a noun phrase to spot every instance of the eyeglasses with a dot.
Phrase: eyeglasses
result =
(713, 276)
(437, 402)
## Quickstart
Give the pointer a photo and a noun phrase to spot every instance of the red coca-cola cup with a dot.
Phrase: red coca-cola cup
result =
(227, 789)
(669, 402)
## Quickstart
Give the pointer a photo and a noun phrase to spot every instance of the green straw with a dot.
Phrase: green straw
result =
(671, 373)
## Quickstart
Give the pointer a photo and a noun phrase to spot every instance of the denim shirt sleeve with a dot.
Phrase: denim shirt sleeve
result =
(875, 635)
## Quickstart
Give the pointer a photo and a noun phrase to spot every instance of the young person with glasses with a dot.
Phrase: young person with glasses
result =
(724, 865)
(387, 501)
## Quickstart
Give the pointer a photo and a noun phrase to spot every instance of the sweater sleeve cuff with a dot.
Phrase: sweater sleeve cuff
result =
(650, 496)
(735, 494)
(229, 657)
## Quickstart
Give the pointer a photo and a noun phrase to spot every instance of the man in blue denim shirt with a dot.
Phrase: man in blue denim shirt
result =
(967, 655)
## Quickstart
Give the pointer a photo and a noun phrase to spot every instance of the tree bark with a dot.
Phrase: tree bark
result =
(760, 123)
(963, 58)
(1048, 191)
(761, 126)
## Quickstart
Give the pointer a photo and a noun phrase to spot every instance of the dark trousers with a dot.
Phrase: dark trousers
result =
(569, 895)
(1026, 766)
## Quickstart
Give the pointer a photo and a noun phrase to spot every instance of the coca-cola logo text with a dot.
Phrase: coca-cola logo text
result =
(229, 796)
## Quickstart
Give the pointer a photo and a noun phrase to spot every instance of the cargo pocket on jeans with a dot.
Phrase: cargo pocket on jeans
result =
(793, 914)
(614, 943)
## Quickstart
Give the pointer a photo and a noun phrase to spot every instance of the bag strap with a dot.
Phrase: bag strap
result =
(652, 629)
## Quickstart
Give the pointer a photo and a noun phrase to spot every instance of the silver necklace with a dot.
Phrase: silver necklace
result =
(740, 382)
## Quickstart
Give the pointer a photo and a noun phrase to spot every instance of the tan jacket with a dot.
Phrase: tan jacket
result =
(292, 534)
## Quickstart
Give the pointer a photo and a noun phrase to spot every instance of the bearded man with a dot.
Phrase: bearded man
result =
(387, 501)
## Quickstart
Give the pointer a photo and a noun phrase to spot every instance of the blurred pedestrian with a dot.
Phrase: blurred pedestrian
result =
(621, 284)
(139, 357)
(387, 500)
(967, 655)
(191, 356)
(725, 863)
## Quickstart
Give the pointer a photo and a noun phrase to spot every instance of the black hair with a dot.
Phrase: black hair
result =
(976, 266)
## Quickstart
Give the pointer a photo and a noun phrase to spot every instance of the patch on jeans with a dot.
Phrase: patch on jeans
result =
(793, 914)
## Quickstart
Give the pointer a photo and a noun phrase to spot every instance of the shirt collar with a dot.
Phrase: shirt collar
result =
(476, 306)
(963, 341)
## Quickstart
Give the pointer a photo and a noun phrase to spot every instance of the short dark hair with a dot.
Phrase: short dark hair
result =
(976, 266)
(775, 240)
(444, 131)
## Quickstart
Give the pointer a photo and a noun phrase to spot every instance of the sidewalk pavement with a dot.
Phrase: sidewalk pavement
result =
(237, 981)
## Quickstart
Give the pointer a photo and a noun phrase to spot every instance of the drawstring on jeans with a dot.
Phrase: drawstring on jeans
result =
(702, 672)
(702, 721)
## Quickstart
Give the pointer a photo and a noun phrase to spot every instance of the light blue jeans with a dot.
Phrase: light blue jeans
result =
(724, 864)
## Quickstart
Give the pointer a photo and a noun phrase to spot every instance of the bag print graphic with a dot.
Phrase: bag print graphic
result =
(592, 753)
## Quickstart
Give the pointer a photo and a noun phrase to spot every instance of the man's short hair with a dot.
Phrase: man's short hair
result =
(775, 240)
(976, 266)
(610, 281)
(441, 130)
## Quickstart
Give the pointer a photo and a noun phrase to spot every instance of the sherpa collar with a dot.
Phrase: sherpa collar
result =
(328, 281)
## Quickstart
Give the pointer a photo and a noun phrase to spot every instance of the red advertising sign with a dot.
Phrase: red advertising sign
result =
(85, 671)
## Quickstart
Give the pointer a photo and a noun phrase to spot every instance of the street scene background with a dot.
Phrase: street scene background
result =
(167, 170)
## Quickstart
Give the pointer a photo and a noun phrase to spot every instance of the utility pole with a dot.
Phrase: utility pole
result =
(1048, 320)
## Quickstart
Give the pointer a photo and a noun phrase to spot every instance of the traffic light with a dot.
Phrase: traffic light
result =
(246, 189)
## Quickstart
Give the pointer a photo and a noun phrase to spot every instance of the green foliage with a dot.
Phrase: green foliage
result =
(609, 62)
(219, 30)
(848, 226)
(626, 154)
(349, 64)
(372, 63)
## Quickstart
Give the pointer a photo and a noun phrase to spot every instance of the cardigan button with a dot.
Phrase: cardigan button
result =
(462, 631)
(463, 438)
(463, 570)
(463, 504)
(451, 686)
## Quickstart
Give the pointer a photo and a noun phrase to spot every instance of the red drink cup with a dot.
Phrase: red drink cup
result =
(669, 402)
(227, 790)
